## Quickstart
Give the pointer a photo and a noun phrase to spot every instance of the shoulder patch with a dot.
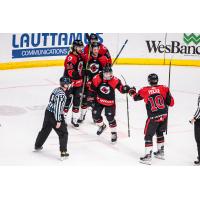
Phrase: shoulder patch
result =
(69, 58)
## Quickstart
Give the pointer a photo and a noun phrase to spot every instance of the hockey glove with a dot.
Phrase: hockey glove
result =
(132, 91)
(125, 89)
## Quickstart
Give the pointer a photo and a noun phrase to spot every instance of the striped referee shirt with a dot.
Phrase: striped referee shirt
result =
(57, 103)
(197, 113)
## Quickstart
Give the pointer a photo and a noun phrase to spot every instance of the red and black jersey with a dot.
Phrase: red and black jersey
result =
(105, 89)
(95, 65)
(157, 99)
(73, 68)
(103, 51)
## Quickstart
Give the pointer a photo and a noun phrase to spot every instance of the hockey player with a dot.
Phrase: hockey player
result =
(96, 62)
(73, 69)
(54, 118)
(103, 51)
(104, 85)
(196, 121)
(157, 99)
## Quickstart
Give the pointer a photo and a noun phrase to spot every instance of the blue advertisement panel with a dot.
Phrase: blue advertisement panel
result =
(28, 45)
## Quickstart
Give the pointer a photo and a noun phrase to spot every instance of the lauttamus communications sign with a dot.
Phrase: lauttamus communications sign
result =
(27, 45)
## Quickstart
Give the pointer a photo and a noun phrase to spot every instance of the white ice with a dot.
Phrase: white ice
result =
(24, 94)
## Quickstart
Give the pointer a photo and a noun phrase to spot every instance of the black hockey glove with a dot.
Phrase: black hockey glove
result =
(125, 89)
(132, 91)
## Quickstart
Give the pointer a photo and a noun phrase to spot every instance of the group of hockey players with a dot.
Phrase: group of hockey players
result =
(88, 81)
(93, 84)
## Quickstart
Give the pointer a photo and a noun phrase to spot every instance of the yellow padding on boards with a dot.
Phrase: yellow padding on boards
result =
(31, 64)
(120, 61)
(156, 61)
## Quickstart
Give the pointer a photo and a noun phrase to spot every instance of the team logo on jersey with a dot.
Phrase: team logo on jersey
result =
(105, 89)
(94, 68)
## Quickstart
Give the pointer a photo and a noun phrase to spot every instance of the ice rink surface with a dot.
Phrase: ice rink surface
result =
(24, 95)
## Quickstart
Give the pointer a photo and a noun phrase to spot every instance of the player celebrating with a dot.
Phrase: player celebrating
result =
(196, 121)
(96, 62)
(103, 51)
(54, 118)
(73, 69)
(104, 85)
(157, 99)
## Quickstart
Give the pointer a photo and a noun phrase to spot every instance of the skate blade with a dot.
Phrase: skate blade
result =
(76, 128)
(100, 133)
(196, 164)
(145, 162)
(115, 142)
(63, 158)
(159, 157)
(81, 122)
(37, 150)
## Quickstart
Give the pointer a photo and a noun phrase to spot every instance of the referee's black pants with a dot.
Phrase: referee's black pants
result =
(49, 124)
(197, 134)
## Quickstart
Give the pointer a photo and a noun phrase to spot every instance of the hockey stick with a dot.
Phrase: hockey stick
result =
(165, 47)
(169, 82)
(127, 108)
(85, 76)
(119, 52)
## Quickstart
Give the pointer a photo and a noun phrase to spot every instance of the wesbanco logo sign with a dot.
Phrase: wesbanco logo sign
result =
(27, 45)
(176, 46)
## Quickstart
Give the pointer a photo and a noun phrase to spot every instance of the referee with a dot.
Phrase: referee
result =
(54, 118)
(196, 121)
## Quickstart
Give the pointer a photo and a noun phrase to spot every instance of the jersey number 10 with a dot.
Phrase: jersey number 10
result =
(156, 103)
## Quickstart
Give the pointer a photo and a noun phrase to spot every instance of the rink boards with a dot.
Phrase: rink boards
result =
(26, 50)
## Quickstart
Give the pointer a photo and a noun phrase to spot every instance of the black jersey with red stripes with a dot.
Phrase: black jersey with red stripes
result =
(105, 89)
(95, 65)
(103, 51)
(73, 68)
(157, 99)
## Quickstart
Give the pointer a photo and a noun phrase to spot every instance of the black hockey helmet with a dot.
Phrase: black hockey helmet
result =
(65, 81)
(77, 43)
(153, 79)
(93, 36)
(95, 44)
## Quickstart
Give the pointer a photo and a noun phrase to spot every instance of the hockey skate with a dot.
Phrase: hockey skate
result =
(64, 155)
(101, 129)
(82, 116)
(74, 123)
(113, 137)
(197, 162)
(37, 149)
(146, 159)
(81, 119)
(159, 154)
